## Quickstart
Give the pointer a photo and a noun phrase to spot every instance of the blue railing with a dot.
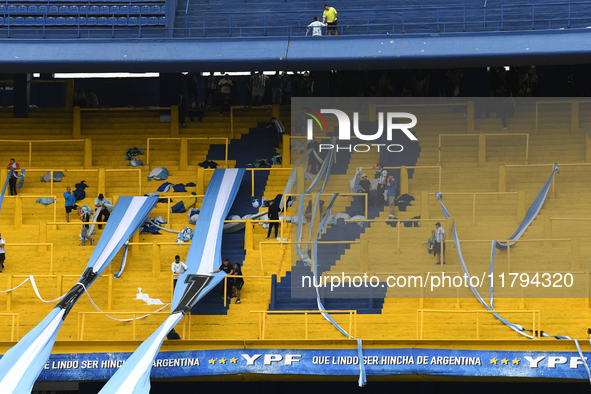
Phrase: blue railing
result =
(528, 11)
(351, 16)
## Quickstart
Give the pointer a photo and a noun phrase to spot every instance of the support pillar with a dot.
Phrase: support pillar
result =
(481, 150)
(22, 92)
(248, 236)
(425, 205)
(470, 117)
(87, 153)
(520, 206)
(286, 158)
(184, 161)
(403, 180)
(300, 186)
(502, 179)
(155, 258)
(43, 237)
(76, 123)
(200, 180)
(18, 212)
(276, 111)
(101, 181)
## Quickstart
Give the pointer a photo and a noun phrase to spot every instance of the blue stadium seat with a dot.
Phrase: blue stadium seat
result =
(30, 21)
(11, 9)
(50, 21)
(82, 21)
(74, 10)
(33, 9)
(153, 21)
(53, 9)
(63, 9)
(162, 21)
(145, 9)
(144, 21)
(22, 9)
(1, 21)
(91, 21)
(122, 21)
(61, 21)
(71, 21)
(135, 9)
(43, 9)
(94, 9)
(155, 9)
(114, 9)
(112, 21)
(40, 21)
(132, 21)
(104, 9)
(19, 21)
(102, 21)
(124, 9)
(84, 9)
(2, 9)
(9, 21)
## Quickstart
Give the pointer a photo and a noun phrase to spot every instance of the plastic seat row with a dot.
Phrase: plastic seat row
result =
(74, 9)
(82, 21)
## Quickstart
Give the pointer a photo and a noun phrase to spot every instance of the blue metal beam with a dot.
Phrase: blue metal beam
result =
(303, 53)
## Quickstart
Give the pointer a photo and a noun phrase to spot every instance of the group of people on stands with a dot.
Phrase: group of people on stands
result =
(88, 100)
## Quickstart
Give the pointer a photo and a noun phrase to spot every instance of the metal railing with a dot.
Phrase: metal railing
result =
(413, 168)
(252, 172)
(263, 320)
(183, 149)
(282, 243)
(31, 142)
(421, 319)
(553, 8)
(29, 244)
(362, 16)
(553, 185)
(82, 320)
(21, 196)
(240, 276)
(14, 325)
(398, 225)
(481, 194)
(483, 141)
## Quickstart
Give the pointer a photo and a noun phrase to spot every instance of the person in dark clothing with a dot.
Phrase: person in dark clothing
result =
(365, 187)
(14, 166)
(273, 214)
(229, 270)
(192, 88)
(238, 283)
(183, 110)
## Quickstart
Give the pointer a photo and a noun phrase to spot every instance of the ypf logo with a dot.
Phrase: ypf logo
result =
(390, 125)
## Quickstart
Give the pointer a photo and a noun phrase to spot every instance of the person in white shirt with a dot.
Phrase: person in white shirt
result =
(2, 255)
(316, 27)
(178, 267)
(439, 247)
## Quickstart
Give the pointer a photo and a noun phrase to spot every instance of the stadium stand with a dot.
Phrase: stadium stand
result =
(204, 18)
